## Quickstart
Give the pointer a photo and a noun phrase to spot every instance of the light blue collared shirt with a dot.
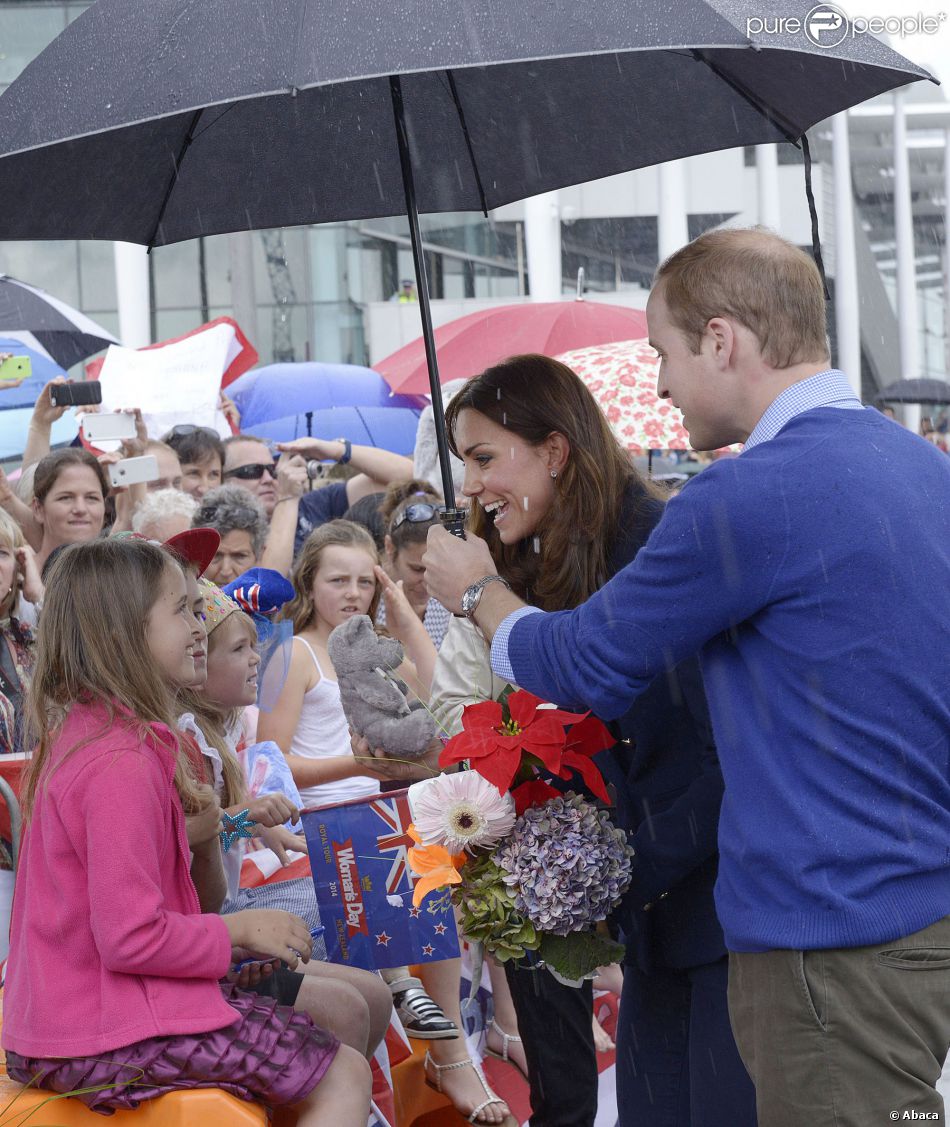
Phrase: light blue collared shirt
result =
(826, 389)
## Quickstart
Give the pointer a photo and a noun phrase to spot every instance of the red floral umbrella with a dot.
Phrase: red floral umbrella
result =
(622, 378)
(473, 343)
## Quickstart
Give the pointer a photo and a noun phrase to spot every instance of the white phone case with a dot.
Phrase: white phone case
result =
(107, 427)
(131, 471)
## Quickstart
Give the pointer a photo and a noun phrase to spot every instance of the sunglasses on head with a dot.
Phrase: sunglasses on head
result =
(417, 513)
(184, 430)
(253, 471)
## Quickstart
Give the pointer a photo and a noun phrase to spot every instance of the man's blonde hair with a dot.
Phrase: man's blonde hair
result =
(90, 648)
(759, 279)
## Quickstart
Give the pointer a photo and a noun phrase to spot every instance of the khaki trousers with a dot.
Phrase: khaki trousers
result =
(849, 1037)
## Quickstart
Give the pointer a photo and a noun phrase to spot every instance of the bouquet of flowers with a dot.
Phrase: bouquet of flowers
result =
(530, 868)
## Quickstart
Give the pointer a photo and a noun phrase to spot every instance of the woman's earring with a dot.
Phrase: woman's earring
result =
(553, 473)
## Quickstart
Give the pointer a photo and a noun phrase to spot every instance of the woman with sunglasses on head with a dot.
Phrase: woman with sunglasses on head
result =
(201, 454)
(562, 510)
(409, 510)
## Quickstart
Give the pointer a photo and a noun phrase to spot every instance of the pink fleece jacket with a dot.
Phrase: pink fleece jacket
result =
(108, 945)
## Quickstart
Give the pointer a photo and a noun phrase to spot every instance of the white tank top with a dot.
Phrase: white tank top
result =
(323, 733)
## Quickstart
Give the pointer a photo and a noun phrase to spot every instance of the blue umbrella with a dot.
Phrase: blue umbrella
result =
(16, 403)
(44, 370)
(389, 428)
(279, 390)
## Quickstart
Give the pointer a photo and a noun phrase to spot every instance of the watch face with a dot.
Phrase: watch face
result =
(470, 598)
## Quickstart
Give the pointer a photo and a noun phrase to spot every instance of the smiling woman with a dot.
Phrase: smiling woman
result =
(69, 497)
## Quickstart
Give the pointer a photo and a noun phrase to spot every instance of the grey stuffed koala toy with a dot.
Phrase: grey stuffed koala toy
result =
(375, 704)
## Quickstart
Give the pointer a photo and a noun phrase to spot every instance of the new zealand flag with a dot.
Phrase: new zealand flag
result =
(358, 855)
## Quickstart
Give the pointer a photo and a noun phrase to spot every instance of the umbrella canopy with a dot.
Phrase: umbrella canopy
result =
(388, 428)
(44, 370)
(931, 392)
(622, 378)
(247, 114)
(61, 332)
(473, 343)
(278, 390)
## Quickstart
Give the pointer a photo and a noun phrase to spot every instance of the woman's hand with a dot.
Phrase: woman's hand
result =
(263, 931)
(268, 810)
(452, 565)
(204, 826)
(135, 447)
(44, 413)
(279, 839)
(31, 585)
(401, 619)
(377, 765)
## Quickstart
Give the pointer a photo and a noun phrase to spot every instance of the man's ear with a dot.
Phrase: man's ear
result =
(720, 339)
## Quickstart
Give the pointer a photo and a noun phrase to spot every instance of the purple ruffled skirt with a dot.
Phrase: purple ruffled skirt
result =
(270, 1055)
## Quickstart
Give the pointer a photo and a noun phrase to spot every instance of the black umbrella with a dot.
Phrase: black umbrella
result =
(164, 121)
(43, 321)
(932, 392)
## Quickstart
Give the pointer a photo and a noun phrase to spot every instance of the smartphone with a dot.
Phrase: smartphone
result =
(75, 394)
(100, 428)
(132, 471)
(16, 368)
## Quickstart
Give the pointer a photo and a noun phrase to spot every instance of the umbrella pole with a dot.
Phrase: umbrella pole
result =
(453, 518)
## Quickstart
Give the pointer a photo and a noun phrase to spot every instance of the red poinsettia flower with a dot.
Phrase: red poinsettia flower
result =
(584, 740)
(533, 793)
(495, 747)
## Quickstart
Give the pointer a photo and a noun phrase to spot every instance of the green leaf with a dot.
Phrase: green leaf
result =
(579, 954)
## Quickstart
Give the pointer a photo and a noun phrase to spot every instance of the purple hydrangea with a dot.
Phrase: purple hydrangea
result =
(566, 863)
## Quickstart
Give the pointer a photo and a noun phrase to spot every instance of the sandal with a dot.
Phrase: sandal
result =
(506, 1039)
(491, 1098)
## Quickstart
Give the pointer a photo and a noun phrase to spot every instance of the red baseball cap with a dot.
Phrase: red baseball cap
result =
(195, 546)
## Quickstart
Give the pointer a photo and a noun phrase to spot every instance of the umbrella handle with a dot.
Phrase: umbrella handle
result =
(454, 521)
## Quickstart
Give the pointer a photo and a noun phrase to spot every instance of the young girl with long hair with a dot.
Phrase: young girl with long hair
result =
(353, 1004)
(337, 575)
(562, 509)
(104, 885)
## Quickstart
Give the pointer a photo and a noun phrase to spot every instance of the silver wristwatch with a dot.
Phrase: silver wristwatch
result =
(472, 594)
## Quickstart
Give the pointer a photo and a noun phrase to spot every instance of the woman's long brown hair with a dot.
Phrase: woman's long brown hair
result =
(568, 558)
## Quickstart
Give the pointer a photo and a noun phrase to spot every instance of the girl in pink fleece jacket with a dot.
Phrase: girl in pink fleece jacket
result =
(103, 886)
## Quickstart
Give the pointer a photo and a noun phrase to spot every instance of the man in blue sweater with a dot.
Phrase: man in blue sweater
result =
(812, 575)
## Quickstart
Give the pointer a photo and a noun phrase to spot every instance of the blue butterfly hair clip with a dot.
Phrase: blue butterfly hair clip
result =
(235, 827)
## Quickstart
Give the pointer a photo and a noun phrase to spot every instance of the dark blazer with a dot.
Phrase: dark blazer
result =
(668, 788)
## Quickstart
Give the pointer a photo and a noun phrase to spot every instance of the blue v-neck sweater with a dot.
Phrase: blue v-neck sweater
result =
(812, 574)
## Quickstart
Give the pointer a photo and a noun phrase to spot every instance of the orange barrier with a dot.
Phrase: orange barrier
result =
(201, 1107)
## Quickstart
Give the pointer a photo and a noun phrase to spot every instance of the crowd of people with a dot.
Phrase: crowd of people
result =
(782, 732)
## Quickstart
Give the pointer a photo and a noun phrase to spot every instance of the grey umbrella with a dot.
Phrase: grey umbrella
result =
(930, 392)
(163, 121)
(39, 319)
